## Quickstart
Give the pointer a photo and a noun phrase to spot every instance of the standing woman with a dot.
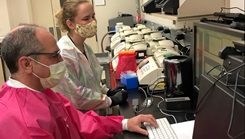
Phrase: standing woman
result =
(81, 83)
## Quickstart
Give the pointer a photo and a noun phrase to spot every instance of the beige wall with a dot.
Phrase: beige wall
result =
(19, 12)
(43, 12)
(4, 24)
(237, 3)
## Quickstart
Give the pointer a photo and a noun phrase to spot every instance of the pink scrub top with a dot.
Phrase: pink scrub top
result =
(26, 113)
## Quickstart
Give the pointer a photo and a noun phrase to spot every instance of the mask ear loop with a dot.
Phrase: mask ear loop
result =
(40, 64)
(36, 75)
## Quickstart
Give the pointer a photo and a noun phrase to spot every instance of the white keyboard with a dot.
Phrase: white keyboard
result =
(164, 130)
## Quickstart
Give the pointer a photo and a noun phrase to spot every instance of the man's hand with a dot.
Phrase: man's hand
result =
(134, 124)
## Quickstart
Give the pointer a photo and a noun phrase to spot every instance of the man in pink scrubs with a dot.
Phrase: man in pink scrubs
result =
(29, 109)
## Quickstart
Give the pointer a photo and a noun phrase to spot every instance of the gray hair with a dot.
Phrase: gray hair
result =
(19, 42)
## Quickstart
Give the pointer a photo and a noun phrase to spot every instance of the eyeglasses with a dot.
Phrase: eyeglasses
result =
(54, 54)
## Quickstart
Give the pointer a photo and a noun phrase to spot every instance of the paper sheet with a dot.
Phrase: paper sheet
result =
(184, 130)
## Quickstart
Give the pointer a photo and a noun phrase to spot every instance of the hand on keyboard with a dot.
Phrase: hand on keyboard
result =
(164, 130)
(134, 124)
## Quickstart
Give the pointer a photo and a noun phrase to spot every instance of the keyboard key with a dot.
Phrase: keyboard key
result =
(164, 130)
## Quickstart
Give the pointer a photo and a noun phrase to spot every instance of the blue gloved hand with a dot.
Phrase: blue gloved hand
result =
(113, 91)
(119, 97)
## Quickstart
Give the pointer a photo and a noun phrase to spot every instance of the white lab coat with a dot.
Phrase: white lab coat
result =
(81, 84)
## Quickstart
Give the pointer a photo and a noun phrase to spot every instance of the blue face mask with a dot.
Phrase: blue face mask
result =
(57, 72)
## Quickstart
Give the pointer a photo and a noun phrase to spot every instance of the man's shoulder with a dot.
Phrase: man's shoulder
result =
(5, 94)
(21, 101)
(9, 108)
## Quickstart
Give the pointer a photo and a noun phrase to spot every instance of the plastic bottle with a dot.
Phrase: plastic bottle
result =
(118, 26)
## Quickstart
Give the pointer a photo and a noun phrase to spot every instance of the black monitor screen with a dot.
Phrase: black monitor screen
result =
(208, 40)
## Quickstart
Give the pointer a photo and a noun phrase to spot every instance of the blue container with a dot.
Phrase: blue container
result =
(129, 80)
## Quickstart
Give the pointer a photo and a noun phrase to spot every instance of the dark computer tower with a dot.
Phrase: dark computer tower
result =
(215, 114)
(178, 77)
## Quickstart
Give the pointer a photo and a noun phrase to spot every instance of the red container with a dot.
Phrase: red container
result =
(126, 61)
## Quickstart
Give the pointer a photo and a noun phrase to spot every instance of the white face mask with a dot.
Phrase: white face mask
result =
(57, 72)
(87, 30)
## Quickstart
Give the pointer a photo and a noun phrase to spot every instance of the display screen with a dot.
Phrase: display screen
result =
(206, 47)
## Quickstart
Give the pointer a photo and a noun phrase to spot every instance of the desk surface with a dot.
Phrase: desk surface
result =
(126, 109)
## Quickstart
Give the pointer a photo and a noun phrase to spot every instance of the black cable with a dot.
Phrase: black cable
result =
(213, 68)
(233, 8)
(155, 85)
(151, 96)
(232, 110)
(174, 111)
(164, 98)
(178, 43)
(221, 12)
(181, 47)
(102, 40)
(141, 110)
(186, 118)
(198, 105)
(222, 8)
(166, 112)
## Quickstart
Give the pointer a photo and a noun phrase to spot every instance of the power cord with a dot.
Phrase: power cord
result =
(233, 109)
(103, 38)
(136, 103)
(234, 97)
(185, 50)
(209, 90)
(166, 112)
